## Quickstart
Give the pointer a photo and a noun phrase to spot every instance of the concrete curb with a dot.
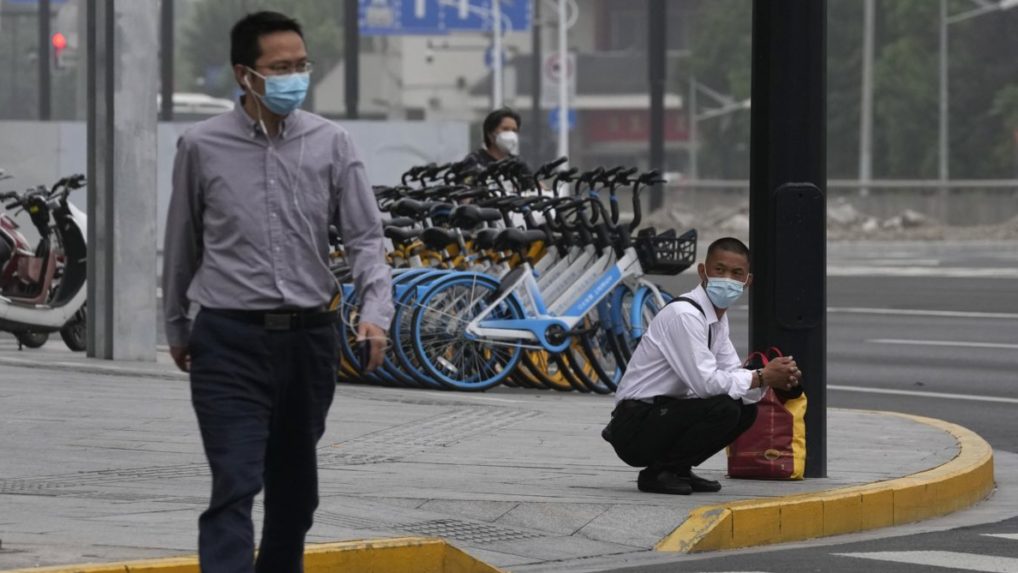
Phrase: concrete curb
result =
(397, 555)
(962, 482)
(96, 366)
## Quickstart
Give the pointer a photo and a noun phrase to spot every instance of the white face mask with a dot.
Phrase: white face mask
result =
(508, 141)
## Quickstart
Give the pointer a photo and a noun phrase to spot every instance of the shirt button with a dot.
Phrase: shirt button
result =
(277, 249)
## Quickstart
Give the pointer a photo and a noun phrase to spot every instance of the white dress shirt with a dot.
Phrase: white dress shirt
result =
(673, 358)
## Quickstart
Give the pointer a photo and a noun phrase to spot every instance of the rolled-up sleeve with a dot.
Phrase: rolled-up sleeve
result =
(728, 360)
(690, 357)
(182, 243)
(360, 222)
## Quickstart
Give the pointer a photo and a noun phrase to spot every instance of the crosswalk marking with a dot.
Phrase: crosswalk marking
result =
(1012, 536)
(950, 559)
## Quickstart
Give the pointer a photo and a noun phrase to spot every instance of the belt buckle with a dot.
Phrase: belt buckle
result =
(278, 321)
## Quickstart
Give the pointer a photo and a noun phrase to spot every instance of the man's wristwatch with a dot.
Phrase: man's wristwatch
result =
(759, 378)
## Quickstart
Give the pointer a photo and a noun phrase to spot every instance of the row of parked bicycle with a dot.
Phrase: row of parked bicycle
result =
(500, 278)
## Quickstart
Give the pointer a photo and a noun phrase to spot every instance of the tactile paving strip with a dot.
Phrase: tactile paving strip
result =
(396, 443)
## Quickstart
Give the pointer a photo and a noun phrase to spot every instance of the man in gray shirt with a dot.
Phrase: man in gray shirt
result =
(254, 193)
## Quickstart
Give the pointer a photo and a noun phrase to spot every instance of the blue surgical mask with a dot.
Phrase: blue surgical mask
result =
(722, 292)
(283, 94)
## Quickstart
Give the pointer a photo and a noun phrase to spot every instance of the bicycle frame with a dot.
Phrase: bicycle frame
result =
(542, 323)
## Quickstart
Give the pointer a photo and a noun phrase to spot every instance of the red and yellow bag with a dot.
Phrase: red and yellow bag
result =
(774, 447)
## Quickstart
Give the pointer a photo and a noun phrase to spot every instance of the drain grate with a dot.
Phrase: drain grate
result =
(465, 531)
(449, 427)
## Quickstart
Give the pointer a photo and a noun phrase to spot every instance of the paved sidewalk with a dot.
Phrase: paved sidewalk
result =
(101, 462)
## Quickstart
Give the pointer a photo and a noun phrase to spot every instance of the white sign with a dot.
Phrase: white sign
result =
(551, 76)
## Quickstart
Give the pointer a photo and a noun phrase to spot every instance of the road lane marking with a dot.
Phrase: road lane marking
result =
(950, 559)
(919, 312)
(904, 271)
(950, 343)
(919, 394)
(1011, 536)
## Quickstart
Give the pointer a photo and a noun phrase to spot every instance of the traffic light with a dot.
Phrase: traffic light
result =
(59, 42)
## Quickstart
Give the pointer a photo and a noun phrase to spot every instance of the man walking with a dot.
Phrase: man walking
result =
(254, 193)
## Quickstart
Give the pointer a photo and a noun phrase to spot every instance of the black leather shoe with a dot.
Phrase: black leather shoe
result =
(663, 481)
(703, 485)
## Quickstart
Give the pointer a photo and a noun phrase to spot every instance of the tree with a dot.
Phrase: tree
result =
(207, 38)
(721, 47)
(983, 88)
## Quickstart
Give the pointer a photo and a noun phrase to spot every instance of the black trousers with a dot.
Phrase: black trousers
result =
(676, 434)
(261, 398)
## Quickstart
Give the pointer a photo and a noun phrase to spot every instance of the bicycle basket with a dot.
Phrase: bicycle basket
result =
(666, 254)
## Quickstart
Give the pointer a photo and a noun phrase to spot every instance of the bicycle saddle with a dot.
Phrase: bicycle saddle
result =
(516, 239)
(485, 238)
(409, 208)
(401, 235)
(470, 216)
(400, 222)
(437, 239)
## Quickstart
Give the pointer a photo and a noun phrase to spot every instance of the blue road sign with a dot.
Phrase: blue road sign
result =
(438, 17)
(570, 118)
(401, 17)
(516, 15)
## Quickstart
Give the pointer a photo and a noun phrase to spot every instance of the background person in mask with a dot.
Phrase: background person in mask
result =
(685, 395)
(254, 193)
(501, 130)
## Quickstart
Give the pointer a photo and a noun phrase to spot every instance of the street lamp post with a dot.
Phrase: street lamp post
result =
(728, 105)
(946, 20)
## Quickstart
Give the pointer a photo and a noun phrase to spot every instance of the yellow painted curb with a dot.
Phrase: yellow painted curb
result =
(396, 555)
(957, 484)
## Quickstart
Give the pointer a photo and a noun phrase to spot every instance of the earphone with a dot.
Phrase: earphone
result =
(295, 183)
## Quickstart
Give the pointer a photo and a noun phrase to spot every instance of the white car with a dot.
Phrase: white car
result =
(197, 104)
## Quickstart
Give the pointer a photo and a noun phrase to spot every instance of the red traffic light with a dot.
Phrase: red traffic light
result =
(59, 42)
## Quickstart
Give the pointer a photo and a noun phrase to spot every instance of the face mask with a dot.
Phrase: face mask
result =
(723, 292)
(508, 142)
(283, 94)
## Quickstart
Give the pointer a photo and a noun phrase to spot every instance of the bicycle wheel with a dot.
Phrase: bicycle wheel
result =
(600, 348)
(401, 329)
(637, 321)
(439, 333)
(540, 367)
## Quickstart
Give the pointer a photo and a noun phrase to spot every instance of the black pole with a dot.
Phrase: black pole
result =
(351, 23)
(536, 87)
(45, 111)
(166, 61)
(787, 204)
(657, 12)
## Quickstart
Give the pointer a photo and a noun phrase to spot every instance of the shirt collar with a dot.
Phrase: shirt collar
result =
(251, 127)
(700, 295)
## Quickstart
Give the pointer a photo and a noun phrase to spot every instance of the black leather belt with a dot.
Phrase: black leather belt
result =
(285, 319)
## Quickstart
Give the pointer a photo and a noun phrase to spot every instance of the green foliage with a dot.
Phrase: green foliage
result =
(721, 44)
(983, 96)
(206, 40)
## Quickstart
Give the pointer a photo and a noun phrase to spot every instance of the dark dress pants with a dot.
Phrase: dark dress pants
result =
(261, 397)
(676, 434)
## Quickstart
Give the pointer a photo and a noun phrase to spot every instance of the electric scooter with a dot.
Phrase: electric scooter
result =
(42, 289)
